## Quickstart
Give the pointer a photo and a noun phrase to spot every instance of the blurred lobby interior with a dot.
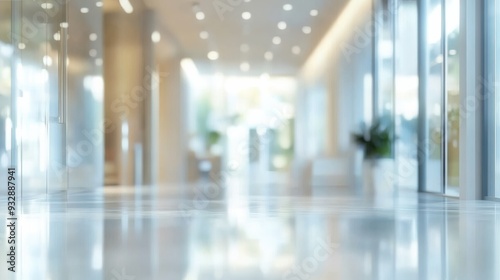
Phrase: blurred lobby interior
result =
(250, 139)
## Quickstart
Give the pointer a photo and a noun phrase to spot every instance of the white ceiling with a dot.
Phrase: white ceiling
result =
(228, 32)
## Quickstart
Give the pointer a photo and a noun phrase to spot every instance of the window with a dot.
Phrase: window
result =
(433, 60)
(406, 93)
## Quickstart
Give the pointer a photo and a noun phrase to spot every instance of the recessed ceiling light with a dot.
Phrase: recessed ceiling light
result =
(282, 25)
(276, 40)
(93, 53)
(244, 48)
(287, 7)
(126, 6)
(245, 66)
(57, 36)
(47, 6)
(296, 50)
(268, 56)
(155, 37)
(21, 46)
(306, 29)
(98, 4)
(92, 37)
(204, 35)
(213, 55)
(314, 13)
(84, 10)
(246, 15)
(98, 61)
(200, 15)
(64, 25)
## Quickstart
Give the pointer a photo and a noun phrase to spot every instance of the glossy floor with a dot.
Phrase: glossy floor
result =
(263, 232)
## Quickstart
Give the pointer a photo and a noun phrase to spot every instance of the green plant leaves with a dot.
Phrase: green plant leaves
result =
(376, 140)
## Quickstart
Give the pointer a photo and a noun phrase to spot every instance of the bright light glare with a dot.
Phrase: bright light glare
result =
(246, 15)
(296, 50)
(95, 85)
(189, 67)
(200, 16)
(47, 60)
(213, 55)
(47, 6)
(126, 6)
(245, 67)
(204, 35)
(433, 28)
(155, 37)
(268, 56)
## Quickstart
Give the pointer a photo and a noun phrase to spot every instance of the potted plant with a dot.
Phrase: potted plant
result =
(375, 140)
(212, 139)
(375, 151)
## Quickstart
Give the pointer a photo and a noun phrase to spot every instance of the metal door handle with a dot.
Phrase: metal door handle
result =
(63, 73)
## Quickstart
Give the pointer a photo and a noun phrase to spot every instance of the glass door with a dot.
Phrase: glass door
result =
(6, 117)
(440, 85)
(57, 56)
(38, 41)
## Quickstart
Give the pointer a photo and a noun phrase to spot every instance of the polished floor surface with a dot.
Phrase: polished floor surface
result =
(257, 232)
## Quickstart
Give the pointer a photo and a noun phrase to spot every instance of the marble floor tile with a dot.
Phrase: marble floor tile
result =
(265, 232)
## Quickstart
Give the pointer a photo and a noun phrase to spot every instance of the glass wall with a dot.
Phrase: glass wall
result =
(440, 84)
(406, 93)
(33, 62)
(452, 23)
(434, 98)
(496, 61)
(384, 105)
(5, 90)
(400, 89)
(43, 72)
(493, 101)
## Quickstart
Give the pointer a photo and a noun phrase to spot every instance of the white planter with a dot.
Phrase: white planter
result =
(378, 176)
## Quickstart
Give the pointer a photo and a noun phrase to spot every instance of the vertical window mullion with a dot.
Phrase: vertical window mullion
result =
(444, 98)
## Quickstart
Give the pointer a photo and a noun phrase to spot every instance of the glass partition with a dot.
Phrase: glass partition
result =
(406, 94)
(452, 95)
(6, 52)
(385, 59)
(492, 104)
(51, 89)
(32, 97)
(496, 61)
(434, 98)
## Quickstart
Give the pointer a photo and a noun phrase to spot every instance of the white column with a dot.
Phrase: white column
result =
(173, 126)
(470, 99)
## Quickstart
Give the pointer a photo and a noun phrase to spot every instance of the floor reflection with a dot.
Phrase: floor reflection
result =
(267, 233)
